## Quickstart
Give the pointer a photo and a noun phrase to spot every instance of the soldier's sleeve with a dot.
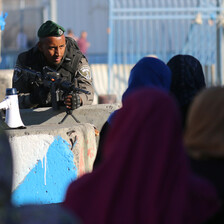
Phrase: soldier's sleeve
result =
(20, 82)
(85, 82)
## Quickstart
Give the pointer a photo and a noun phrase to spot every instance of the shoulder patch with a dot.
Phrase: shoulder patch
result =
(85, 71)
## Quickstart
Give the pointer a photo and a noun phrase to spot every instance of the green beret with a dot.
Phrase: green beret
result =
(49, 29)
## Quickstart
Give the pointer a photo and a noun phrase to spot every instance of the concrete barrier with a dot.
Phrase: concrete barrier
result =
(48, 156)
(94, 114)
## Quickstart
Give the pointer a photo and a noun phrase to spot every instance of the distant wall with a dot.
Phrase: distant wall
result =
(5, 81)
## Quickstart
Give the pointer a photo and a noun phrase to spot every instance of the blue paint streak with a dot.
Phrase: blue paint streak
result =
(60, 172)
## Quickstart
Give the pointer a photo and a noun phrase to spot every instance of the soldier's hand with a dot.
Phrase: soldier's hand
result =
(72, 101)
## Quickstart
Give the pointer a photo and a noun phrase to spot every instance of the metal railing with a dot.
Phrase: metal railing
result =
(164, 28)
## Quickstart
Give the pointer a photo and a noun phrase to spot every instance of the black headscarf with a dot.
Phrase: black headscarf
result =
(187, 80)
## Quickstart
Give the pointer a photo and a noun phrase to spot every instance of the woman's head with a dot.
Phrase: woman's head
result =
(149, 72)
(187, 81)
(187, 77)
(204, 136)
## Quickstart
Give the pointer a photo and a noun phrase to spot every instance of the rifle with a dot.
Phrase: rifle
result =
(51, 80)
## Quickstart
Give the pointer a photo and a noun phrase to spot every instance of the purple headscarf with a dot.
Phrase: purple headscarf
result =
(144, 177)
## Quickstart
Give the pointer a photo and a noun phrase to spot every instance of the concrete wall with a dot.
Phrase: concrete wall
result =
(5, 81)
(48, 156)
(46, 159)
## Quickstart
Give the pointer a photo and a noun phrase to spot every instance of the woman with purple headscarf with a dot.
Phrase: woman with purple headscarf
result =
(144, 176)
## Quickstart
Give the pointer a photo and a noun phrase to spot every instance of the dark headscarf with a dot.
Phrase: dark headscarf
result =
(187, 80)
(150, 72)
(144, 177)
(147, 72)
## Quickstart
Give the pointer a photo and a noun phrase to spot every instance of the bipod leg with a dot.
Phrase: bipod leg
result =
(75, 118)
(63, 119)
(69, 112)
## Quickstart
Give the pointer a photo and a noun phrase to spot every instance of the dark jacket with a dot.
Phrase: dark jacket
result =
(212, 169)
(74, 66)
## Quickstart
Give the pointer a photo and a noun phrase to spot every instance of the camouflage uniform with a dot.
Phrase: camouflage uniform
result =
(74, 65)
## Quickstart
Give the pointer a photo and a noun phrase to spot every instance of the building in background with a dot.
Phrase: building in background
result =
(28, 15)
(91, 16)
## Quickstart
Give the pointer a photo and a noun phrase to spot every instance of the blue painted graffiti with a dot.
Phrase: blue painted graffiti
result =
(2, 20)
(48, 180)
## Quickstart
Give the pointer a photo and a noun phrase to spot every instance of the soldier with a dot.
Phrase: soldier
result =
(61, 54)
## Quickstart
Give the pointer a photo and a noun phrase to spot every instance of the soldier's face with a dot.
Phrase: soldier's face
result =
(53, 49)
